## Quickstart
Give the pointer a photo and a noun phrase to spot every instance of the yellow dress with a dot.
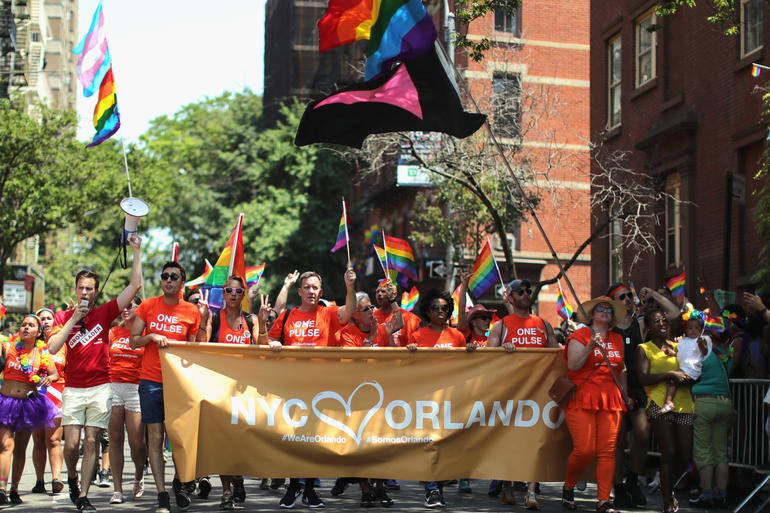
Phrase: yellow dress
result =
(660, 362)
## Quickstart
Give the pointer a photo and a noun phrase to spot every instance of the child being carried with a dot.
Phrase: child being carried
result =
(692, 349)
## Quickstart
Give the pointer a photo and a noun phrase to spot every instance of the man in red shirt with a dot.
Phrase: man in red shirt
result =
(521, 329)
(160, 320)
(385, 296)
(86, 400)
(311, 324)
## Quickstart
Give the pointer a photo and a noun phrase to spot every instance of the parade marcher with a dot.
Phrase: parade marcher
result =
(593, 413)
(521, 329)
(656, 365)
(86, 400)
(125, 367)
(385, 297)
(159, 320)
(311, 324)
(474, 324)
(631, 329)
(28, 367)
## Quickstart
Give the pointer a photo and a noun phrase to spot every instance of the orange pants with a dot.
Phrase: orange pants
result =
(594, 434)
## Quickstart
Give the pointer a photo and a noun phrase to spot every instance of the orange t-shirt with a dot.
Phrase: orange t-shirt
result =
(599, 391)
(426, 337)
(479, 340)
(411, 324)
(228, 335)
(351, 336)
(316, 328)
(529, 332)
(176, 322)
(125, 362)
(60, 360)
(13, 370)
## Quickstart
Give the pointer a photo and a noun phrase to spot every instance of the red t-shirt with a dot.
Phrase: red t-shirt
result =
(88, 350)
(479, 340)
(599, 392)
(316, 328)
(351, 336)
(228, 335)
(411, 324)
(176, 322)
(125, 362)
(426, 337)
(529, 332)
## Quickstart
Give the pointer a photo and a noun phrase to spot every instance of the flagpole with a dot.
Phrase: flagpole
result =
(347, 236)
(125, 162)
(492, 251)
(385, 248)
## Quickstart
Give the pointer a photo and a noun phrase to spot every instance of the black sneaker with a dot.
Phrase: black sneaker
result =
(189, 487)
(74, 489)
(83, 504)
(367, 500)
(381, 495)
(339, 487)
(623, 496)
(204, 487)
(239, 490)
(637, 495)
(39, 487)
(3, 496)
(13, 497)
(164, 503)
(311, 498)
(433, 499)
(568, 498)
(701, 502)
(290, 497)
(182, 500)
(227, 501)
(176, 485)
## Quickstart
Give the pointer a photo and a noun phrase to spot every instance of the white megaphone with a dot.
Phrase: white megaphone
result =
(134, 209)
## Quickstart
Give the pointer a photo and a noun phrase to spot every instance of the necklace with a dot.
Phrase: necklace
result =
(34, 375)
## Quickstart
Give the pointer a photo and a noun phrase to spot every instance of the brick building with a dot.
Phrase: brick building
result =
(679, 96)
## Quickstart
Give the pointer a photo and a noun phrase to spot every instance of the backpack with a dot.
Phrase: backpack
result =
(283, 326)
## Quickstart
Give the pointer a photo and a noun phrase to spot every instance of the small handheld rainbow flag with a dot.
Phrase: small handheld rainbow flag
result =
(200, 280)
(755, 70)
(677, 285)
(390, 272)
(484, 272)
(563, 308)
(456, 297)
(254, 274)
(409, 299)
(342, 232)
(400, 256)
(716, 324)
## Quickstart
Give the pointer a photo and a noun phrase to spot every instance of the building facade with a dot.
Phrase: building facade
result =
(678, 95)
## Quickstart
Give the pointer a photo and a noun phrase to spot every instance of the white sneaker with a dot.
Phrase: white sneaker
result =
(117, 498)
(139, 488)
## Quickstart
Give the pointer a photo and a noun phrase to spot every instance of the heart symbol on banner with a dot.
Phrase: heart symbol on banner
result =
(328, 394)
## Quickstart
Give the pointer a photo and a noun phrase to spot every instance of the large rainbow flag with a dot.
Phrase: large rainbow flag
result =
(254, 274)
(400, 256)
(677, 285)
(200, 280)
(230, 262)
(409, 299)
(93, 54)
(106, 115)
(563, 308)
(396, 30)
(484, 272)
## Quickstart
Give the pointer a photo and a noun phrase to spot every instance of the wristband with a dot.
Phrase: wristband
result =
(263, 334)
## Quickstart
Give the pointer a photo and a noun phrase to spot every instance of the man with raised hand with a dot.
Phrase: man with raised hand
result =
(311, 324)
(159, 320)
(87, 398)
(521, 329)
(385, 296)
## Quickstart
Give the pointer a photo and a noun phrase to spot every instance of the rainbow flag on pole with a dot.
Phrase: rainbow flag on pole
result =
(484, 271)
(230, 262)
(456, 297)
(677, 285)
(409, 299)
(392, 272)
(716, 324)
(106, 115)
(342, 232)
(200, 280)
(400, 256)
(254, 274)
(755, 70)
(94, 59)
(563, 308)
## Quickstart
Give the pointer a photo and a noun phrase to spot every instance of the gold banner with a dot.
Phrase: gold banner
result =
(384, 413)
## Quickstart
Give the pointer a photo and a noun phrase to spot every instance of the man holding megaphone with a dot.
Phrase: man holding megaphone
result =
(86, 401)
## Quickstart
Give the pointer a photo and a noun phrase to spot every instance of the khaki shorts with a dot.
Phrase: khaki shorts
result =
(87, 406)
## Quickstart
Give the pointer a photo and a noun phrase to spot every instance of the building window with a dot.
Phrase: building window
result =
(673, 221)
(646, 42)
(613, 82)
(508, 21)
(616, 248)
(506, 104)
(751, 26)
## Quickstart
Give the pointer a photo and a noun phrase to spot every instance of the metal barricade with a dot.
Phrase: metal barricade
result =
(749, 444)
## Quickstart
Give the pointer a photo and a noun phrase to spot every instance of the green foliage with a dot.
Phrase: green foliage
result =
(724, 12)
(468, 10)
(224, 157)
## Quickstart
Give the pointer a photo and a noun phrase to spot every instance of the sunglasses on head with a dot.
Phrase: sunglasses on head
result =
(230, 290)
(521, 292)
(605, 309)
(624, 295)
(171, 276)
(436, 307)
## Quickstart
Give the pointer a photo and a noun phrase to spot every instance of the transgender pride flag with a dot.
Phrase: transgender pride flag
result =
(93, 54)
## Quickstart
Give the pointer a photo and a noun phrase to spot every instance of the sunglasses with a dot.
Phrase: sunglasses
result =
(521, 292)
(230, 290)
(605, 309)
(367, 308)
(482, 318)
(194, 300)
(169, 276)
(438, 307)
(624, 295)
